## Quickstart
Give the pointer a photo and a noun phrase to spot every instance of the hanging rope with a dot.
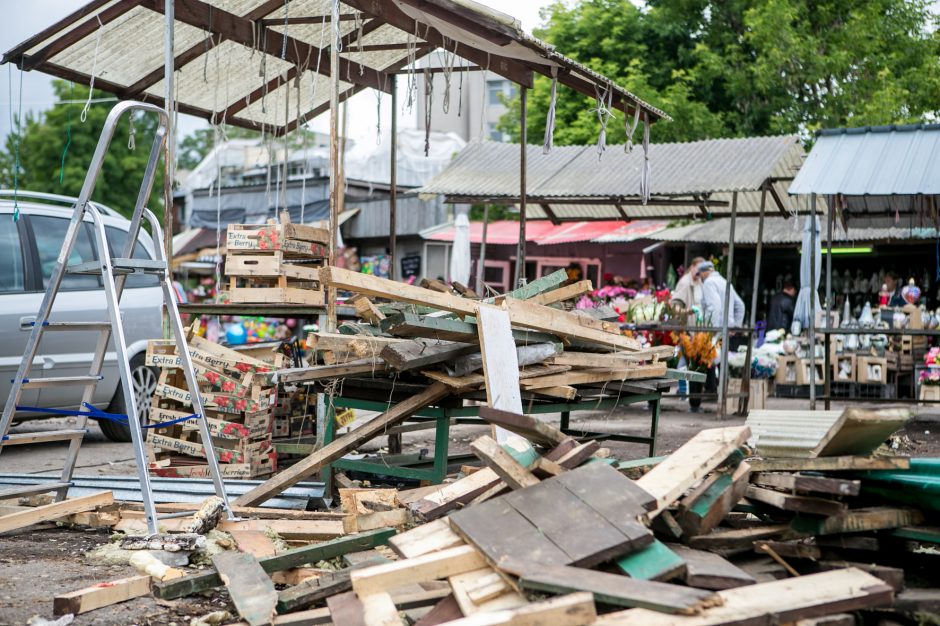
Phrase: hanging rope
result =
(646, 178)
(631, 129)
(68, 132)
(378, 116)
(428, 102)
(131, 132)
(486, 71)
(286, 24)
(94, 68)
(359, 37)
(604, 102)
(411, 48)
(460, 92)
(550, 116)
(447, 61)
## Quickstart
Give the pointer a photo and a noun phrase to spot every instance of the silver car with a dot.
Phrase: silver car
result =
(29, 248)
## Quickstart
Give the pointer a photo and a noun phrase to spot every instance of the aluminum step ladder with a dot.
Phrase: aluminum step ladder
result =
(113, 272)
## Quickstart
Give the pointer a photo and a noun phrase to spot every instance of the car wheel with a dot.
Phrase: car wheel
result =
(144, 383)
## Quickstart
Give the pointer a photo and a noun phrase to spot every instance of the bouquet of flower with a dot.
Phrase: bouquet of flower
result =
(699, 350)
(932, 358)
(930, 377)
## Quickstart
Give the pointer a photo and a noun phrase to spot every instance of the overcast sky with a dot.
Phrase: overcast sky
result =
(30, 17)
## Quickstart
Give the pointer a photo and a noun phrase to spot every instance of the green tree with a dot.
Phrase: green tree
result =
(44, 137)
(745, 67)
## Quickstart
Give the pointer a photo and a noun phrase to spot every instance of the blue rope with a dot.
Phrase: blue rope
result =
(97, 414)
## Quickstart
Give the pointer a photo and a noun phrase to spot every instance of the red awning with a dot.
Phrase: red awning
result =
(541, 232)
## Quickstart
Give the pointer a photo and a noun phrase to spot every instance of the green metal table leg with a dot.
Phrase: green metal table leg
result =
(441, 448)
(326, 474)
(654, 424)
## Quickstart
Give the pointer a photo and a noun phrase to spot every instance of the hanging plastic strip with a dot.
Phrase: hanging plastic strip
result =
(604, 102)
(549, 140)
(647, 175)
(94, 68)
(631, 129)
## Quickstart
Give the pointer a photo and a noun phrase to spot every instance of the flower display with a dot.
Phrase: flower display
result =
(699, 350)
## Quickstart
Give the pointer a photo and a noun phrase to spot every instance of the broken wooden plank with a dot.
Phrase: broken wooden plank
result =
(668, 480)
(610, 589)
(346, 608)
(449, 496)
(576, 609)
(296, 557)
(467, 583)
(321, 372)
(253, 542)
(305, 594)
(338, 447)
(794, 503)
(530, 427)
(738, 538)
(858, 520)
(430, 537)
(521, 313)
(248, 585)
(443, 612)
(807, 484)
(410, 325)
(584, 377)
(790, 549)
(500, 365)
(831, 464)
(773, 602)
(860, 431)
(101, 594)
(410, 355)
(55, 510)
(428, 567)
(707, 570)
(654, 562)
(703, 510)
(612, 359)
(502, 463)
(563, 293)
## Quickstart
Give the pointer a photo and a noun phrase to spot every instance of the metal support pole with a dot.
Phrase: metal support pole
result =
(812, 304)
(520, 249)
(481, 264)
(744, 401)
(169, 12)
(828, 324)
(393, 186)
(335, 182)
(723, 371)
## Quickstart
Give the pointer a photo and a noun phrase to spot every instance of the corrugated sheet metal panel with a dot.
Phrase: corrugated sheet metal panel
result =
(778, 231)
(412, 217)
(881, 161)
(491, 169)
(633, 231)
(789, 433)
(715, 168)
(678, 168)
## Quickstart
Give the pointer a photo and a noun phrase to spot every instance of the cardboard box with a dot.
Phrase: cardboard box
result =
(802, 372)
(787, 370)
(872, 370)
(843, 368)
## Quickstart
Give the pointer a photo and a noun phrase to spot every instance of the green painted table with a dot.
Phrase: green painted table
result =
(631, 392)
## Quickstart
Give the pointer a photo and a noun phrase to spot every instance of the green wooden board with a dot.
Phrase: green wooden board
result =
(654, 562)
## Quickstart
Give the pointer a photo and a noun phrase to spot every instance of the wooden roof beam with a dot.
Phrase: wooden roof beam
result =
(549, 213)
(508, 68)
(249, 33)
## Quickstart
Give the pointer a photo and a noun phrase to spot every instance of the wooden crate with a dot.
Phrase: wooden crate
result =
(757, 399)
(280, 290)
(295, 240)
(843, 363)
(787, 370)
(872, 370)
(802, 371)
(188, 468)
(248, 426)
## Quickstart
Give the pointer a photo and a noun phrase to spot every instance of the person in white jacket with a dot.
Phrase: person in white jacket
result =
(713, 298)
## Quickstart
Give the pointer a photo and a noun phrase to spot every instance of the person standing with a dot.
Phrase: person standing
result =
(688, 291)
(893, 283)
(713, 298)
(782, 307)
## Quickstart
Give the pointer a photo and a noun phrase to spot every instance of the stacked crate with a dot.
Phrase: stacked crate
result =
(239, 397)
(275, 263)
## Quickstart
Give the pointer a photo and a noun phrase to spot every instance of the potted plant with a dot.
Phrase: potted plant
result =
(700, 352)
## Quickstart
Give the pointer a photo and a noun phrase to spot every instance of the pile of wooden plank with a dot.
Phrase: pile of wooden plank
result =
(239, 395)
(275, 263)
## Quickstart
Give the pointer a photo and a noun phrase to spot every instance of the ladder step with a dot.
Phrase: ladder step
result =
(42, 437)
(28, 490)
(120, 266)
(66, 326)
(56, 381)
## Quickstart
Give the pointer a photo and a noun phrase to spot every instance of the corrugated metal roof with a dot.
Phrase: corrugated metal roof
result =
(779, 231)
(873, 164)
(264, 62)
(789, 433)
(682, 175)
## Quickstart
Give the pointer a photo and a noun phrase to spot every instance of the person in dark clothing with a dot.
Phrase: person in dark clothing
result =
(781, 307)
(893, 283)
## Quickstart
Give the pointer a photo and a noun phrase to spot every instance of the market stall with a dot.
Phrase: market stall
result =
(863, 174)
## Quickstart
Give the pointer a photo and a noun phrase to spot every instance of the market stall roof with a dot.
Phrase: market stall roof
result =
(876, 170)
(778, 231)
(265, 63)
(506, 232)
(574, 183)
